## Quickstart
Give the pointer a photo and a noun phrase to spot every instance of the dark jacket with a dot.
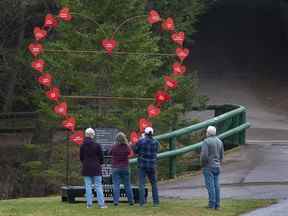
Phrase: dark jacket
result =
(146, 150)
(91, 156)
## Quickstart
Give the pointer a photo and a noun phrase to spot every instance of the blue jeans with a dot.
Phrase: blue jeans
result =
(97, 181)
(117, 175)
(151, 174)
(211, 176)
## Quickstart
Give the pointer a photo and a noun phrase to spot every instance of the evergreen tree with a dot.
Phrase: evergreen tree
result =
(124, 73)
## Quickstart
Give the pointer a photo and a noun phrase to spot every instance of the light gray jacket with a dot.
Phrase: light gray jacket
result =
(212, 152)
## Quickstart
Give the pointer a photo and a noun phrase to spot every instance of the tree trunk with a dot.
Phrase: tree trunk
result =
(8, 101)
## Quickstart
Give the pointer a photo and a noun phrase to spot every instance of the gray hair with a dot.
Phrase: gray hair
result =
(121, 138)
(211, 131)
(89, 132)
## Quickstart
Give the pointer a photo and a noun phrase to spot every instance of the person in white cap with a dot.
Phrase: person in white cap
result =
(146, 149)
(212, 153)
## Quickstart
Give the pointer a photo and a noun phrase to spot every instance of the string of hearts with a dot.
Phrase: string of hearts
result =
(53, 93)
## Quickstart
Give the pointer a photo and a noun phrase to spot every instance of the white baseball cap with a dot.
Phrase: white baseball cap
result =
(148, 130)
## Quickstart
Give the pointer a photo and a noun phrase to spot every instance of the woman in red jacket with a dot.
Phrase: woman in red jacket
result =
(120, 168)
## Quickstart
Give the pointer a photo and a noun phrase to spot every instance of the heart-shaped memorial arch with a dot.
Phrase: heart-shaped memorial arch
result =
(109, 45)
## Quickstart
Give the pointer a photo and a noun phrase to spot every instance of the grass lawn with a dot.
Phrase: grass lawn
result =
(53, 207)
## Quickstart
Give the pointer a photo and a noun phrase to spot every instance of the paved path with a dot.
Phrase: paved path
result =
(254, 171)
(245, 65)
(279, 209)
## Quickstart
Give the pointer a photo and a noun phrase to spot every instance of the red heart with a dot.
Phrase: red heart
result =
(134, 137)
(143, 123)
(38, 65)
(153, 111)
(50, 21)
(170, 83)
(61, 109)
(35, 49)
(178, 38)
(45, 79)
(77, 137)
(39, 33)
(162, 97)
(65, 15)
(53, 94)
(131, 153)
(69, 123)
(109, 45)
(168, 24)
(153, 17)
(182, 53)
(178, 69)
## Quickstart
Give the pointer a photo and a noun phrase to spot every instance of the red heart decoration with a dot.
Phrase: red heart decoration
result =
(153, 17)
(45, 79)
(131, 153)
(182, 53)
(153, 111)
(170, 83)
(38, 65)
(162, 97)
(178, 38)
(65, 15)
(50, 21)
(134, 137)
(143, 123)
(69, 123)
(168, 24)
(178, 69)
(77, 137)
(35, 49)
(53, 94)
(109, 45)
(61, 109)
(39, 33)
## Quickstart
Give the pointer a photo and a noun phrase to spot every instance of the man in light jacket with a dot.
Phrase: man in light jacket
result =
(212, 153)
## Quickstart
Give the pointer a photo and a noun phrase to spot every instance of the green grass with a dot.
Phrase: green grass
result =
(53, 207)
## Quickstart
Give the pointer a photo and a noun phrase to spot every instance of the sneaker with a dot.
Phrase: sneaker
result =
(89, 206)
(104, 207)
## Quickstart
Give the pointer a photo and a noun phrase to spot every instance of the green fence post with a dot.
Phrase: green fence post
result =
(172, 160)
(235, 123)
(242, 138)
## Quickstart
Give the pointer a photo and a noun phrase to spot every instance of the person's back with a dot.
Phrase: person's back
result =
(120, 168)
(91, 156)
(212, 152)
(147, 149)
(120, 154)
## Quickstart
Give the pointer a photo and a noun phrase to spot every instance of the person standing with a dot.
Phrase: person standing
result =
(212, 154)
(146, 150)
(120, 168)
(91, 156)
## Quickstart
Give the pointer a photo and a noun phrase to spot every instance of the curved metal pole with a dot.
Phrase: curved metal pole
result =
(91, 20)
(126, 21)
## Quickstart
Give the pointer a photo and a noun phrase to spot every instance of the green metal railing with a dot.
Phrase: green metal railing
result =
(231, 124)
